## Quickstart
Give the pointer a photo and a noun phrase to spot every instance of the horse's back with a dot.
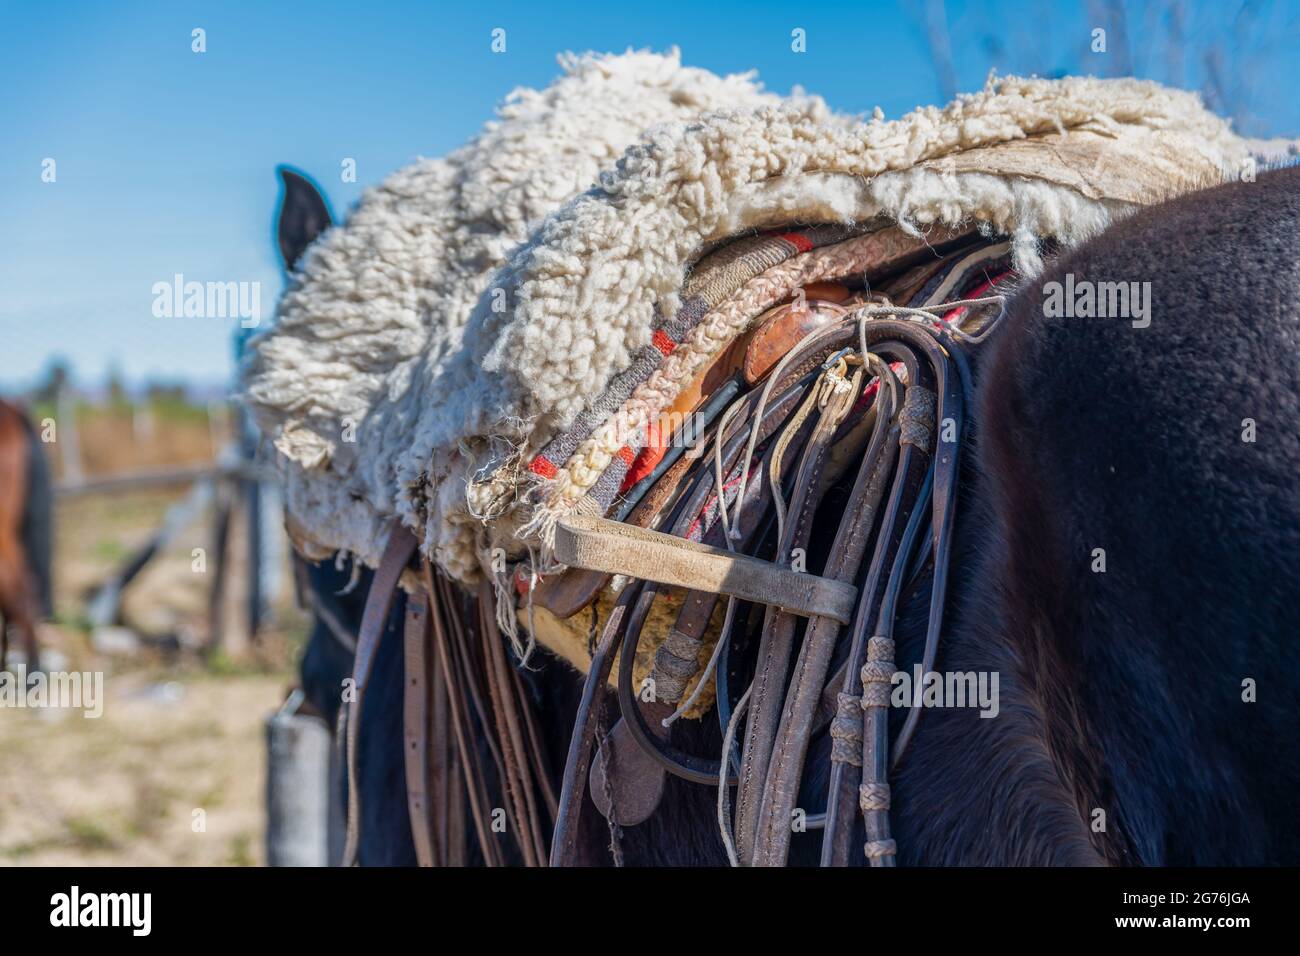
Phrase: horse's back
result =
(1144, 472)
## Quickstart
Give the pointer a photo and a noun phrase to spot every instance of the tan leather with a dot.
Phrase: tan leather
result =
(565, 594)
(415, 725)
(781, 328)
(603, 545)
(635, 784)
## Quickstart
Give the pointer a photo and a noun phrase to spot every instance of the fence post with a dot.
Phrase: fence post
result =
(69, 441)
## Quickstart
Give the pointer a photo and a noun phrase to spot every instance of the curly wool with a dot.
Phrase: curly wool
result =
(467, 311)
(366, 361)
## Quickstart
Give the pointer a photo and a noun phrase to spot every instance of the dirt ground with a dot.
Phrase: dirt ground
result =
(173, 773)
(123, 789)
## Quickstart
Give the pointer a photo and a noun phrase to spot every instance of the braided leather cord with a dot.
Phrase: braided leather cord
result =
(846, 730)
(877, 673)
(874, 793)
(675, 663)
(916, 419)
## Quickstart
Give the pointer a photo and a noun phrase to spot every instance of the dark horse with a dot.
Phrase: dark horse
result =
(25, 505)
(1125, 560)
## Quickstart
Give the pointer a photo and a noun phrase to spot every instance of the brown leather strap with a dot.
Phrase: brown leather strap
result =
(564, 841)
(536, 752)
(776, 642)
(397, 554)
(415, 725)
(874, 622)
(605, 545)
(445, 797)
(457, 818)
(509, 728)
(452, 644)
(804, 692)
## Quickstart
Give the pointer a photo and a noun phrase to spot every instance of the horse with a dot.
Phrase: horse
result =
(25, 534)
(1147, 700)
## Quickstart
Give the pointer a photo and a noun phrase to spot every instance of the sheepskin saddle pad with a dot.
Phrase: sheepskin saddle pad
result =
(504, 343)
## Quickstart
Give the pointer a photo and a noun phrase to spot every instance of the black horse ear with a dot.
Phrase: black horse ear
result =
(303, 216)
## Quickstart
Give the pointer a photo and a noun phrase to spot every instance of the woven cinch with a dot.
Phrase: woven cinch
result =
(457, 354)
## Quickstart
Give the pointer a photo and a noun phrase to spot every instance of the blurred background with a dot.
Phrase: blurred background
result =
(140, 144)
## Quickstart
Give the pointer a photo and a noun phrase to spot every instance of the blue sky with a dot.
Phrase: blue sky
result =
(165, 157)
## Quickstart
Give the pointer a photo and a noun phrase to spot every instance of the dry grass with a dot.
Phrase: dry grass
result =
(124, 789)
(178, 734)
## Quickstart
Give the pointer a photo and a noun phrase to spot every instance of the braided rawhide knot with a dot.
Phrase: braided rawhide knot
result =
(676, 661)
(880, 649)
(877, 673)
(878, 848)
(846, 730)
(873, 796)
(916, 419)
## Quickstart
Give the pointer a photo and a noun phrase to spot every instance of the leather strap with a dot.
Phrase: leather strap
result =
(777, 640)
(874, 620)
(808, 677)
(565, 594)
(564, 841)
(603, 545)
(448, 642)
(397, 554)
(640, 753)
(509, 728)
(415, 725)
(773, 761)
(446, 800)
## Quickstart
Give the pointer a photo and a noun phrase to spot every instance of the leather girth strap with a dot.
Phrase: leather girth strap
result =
(415, 727)
(397, 554)
(462, 702)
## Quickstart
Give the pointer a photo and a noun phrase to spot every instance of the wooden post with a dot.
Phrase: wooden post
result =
(69, 441)
(231, 614)
(220, 538)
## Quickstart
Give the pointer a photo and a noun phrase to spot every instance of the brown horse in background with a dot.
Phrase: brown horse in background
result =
(21, 604)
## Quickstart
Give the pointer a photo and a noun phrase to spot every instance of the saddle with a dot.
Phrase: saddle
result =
(692, 422)
(845, 422)
(806, 477)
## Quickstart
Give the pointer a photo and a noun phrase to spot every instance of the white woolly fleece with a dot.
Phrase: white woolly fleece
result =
(366, 361)
(452, 348)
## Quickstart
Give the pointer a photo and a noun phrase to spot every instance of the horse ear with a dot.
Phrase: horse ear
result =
(303, 216)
